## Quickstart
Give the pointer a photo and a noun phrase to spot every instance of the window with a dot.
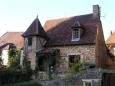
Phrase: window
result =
(76, 34)
(29, 41)
(73, 59)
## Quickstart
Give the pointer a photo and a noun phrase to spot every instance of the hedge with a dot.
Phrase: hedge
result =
(8, 76)
(29, 83)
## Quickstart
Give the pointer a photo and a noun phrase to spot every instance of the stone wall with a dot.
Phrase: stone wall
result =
(77, 79)
(86, 52)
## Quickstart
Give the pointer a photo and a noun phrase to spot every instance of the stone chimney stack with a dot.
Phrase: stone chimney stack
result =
(111, 33)
(96, 11)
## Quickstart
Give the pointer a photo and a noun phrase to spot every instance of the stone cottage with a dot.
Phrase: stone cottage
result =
(63, 41)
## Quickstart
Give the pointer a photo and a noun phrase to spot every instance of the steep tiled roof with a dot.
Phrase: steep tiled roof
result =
(111, 39)
(35, 29)
(59, 31)
(12, 37)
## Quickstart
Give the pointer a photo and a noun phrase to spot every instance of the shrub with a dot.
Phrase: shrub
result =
(13, 76)
(29, 83)
(14, 72)
(75, 67)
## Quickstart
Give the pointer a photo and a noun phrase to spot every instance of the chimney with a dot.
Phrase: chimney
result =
(96, 11)
(111, 33)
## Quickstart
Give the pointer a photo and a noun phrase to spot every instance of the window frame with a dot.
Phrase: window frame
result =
(76, 34)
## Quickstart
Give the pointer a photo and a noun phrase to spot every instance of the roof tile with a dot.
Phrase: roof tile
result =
(35, 29)
(12, 37)
(60, 30)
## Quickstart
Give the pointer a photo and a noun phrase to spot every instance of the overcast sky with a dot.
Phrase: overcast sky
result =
(17, 15)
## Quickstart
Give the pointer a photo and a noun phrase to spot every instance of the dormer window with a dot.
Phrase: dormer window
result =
(76, 34)
(76, 31)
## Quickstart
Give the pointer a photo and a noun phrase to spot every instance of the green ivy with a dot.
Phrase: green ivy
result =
(13, 58)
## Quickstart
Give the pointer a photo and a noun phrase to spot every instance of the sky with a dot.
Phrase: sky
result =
(17, 15)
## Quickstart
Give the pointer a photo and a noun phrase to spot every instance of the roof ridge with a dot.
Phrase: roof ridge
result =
(10, 32)
(61, 18)
(15, 31)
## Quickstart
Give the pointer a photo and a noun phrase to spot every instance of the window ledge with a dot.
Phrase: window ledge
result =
(77, 39)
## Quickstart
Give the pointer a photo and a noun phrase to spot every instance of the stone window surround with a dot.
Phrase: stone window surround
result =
(81, 56)
(74, 58)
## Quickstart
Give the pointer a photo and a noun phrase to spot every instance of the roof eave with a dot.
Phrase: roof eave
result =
(53, 45)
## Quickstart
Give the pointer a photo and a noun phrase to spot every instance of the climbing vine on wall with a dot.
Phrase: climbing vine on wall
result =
(13, 58)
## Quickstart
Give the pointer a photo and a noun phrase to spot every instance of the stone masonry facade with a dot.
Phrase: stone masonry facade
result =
(86, 52)
(31, 50)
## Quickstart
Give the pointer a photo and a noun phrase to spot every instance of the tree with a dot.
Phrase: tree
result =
(26, 65)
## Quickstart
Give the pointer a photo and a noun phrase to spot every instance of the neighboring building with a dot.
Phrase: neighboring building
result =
(111, 42)
(74, 38)
(7, 40)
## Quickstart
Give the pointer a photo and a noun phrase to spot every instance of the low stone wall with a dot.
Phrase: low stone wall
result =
(75, 80)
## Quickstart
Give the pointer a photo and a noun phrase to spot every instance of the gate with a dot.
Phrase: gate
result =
(108, 79)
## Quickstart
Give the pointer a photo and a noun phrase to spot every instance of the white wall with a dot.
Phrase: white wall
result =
(5, 57)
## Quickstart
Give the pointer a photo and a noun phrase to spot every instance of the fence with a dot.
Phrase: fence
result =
(108, 79)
